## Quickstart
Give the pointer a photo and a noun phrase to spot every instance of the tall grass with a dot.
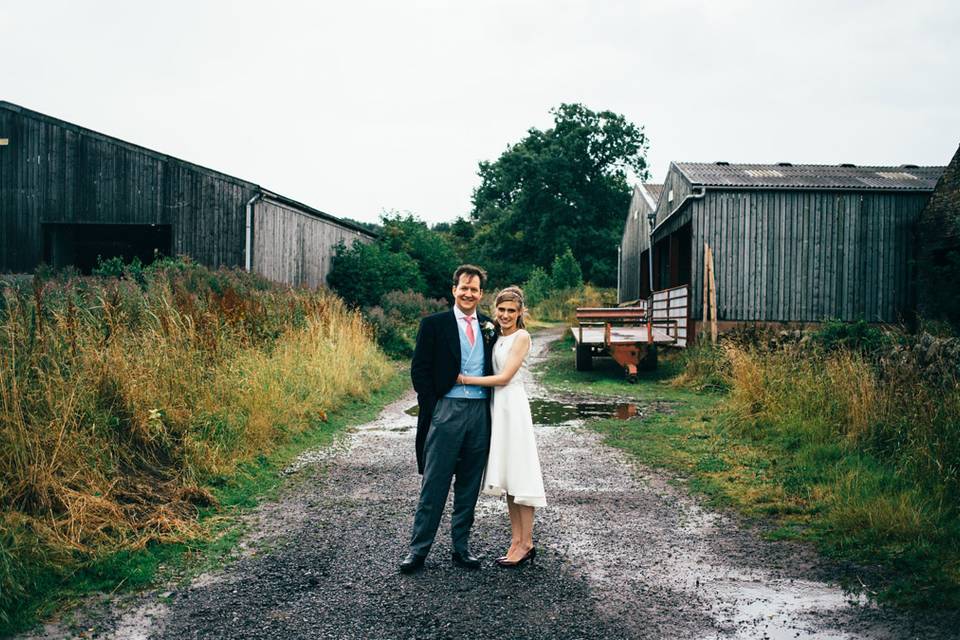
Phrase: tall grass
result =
(121, 401)
(894, 409)
(866, 435)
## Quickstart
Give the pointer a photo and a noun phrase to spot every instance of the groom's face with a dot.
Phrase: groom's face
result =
(467, 293)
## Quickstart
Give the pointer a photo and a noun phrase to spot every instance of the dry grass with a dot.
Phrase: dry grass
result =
(119, 400)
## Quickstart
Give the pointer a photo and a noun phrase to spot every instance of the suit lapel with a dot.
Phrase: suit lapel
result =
(452, 332)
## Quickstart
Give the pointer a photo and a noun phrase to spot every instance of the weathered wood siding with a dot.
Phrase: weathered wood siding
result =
(634, 278)
(807, 256)
(53, 172)
(680, 188)
(294, 247)
(630, 248)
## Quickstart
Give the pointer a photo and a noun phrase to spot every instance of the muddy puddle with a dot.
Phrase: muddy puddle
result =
(548, 413)
(552, 412)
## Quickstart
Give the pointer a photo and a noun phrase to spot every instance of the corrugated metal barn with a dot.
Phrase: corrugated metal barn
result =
(791, 243)
(636, 237)
(69, 194)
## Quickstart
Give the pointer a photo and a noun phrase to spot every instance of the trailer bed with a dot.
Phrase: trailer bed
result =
(595, 335)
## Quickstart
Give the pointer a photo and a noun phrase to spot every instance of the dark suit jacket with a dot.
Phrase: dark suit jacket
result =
(436, 365)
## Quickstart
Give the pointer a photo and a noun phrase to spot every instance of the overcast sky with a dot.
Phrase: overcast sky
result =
(360, 107)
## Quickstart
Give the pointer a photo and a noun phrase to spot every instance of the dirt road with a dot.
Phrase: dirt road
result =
(625, 553)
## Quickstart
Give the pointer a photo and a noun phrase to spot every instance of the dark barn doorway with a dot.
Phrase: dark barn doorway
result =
(81, 245)
(672, 259)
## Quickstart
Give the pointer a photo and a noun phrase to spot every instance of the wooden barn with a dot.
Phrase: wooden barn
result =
(69, 195)
(790, 243)
(636, 237)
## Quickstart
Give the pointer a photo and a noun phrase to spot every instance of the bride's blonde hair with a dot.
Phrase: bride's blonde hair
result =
(512, 293)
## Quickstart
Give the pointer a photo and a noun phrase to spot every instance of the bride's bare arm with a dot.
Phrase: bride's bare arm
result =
(518, 351)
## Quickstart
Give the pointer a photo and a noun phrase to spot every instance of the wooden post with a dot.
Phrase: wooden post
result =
(706, 286)
(709, 294)
(713, 300)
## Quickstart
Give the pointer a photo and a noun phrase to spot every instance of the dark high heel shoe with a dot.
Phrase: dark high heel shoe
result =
(510, 564)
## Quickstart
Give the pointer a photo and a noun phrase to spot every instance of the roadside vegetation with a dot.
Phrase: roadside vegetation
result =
(846, 436)
(133, 406)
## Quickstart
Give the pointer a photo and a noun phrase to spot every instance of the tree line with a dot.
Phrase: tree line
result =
(549, 209)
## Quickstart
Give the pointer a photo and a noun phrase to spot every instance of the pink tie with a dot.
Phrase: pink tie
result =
(470, 336)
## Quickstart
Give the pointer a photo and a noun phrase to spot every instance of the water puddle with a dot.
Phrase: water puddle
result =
(783, 611)
(552, 412)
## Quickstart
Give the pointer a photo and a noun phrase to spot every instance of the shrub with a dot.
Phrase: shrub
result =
(364, 272)
(430, 250)
(394, 335)
(411, 305)
(565, 272)
(408, 255)
(538, 287)
(396, 320)
(860, 336)
(562, 304)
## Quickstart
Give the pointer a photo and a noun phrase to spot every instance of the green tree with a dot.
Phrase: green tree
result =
(431, 250)
(566, 273)
(362, 273)
(460, 234)
(559, 188)
(538, 287)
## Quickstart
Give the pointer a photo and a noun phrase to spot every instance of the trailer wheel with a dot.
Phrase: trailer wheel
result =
(584, 358)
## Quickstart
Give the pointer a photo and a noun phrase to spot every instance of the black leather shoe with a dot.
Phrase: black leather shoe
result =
(412, 563)
(466, 560)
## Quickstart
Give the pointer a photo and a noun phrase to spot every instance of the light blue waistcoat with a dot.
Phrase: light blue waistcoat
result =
(471, 364)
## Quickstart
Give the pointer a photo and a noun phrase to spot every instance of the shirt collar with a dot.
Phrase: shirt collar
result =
(461, 315)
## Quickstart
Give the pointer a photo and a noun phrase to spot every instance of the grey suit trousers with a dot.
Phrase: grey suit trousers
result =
(457, 445)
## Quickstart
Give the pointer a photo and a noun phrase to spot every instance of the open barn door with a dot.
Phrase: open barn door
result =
(81, 245)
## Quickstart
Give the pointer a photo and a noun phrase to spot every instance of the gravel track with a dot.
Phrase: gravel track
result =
(624, 552)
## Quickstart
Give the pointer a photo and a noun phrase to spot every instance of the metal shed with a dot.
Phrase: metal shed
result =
(791, 243)
(69, 194)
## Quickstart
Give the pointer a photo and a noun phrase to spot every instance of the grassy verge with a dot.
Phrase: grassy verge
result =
(252, 483)
(133, 409)
(800, 481)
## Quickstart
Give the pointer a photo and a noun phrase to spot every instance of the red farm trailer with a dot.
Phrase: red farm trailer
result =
(631, 334)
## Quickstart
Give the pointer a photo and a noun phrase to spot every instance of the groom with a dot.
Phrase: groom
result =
(453, 427)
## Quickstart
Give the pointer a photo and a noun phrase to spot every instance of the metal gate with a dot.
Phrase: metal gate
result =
(670, 311)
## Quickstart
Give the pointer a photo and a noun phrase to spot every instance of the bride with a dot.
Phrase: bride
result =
(513, 466)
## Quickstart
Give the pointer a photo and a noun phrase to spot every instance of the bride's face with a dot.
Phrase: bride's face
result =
(507, 313)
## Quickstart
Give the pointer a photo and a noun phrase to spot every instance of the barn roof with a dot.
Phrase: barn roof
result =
(653, 189)
(648, 193)
(810, 176)
(9, 106)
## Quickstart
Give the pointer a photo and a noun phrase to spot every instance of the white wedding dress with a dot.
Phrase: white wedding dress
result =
(513, 465)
